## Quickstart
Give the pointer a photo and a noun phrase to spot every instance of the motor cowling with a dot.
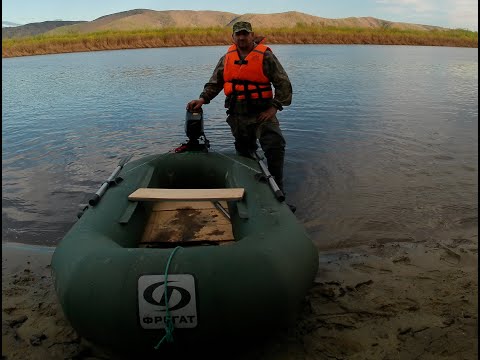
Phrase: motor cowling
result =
(194, 125)
(197, 141)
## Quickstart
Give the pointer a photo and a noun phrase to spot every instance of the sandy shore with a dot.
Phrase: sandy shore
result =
(389, 300)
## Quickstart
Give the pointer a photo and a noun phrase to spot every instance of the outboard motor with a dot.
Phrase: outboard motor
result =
(197, 140)
(194, 125)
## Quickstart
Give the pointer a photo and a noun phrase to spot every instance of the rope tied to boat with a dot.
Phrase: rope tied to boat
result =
(169, 327)
(148, 161)
(236, 161)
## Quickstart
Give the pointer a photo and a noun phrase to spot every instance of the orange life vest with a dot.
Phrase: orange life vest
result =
(244, 79)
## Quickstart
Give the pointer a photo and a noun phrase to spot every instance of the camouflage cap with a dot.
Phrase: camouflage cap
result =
(242, 26)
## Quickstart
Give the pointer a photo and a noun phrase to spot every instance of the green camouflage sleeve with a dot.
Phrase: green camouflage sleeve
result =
(279, 79)
(213, 87)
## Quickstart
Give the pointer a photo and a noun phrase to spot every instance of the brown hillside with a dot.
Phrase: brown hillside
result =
(144, 18)
(34, 28)
(150, 19)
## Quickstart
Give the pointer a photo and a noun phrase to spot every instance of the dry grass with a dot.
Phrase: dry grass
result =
(174, 37)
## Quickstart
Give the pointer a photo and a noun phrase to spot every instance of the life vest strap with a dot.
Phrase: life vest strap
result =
(248, 92)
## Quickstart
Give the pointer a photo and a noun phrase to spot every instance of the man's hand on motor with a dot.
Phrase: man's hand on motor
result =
(195, 104)
(267, 114)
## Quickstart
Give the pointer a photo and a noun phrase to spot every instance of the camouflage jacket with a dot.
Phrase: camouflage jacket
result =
(271, 68)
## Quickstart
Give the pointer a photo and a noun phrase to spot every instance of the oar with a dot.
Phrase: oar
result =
(112, 180)
(271, 181)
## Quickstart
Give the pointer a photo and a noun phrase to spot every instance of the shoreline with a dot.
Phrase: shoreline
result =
(386, 300)
(157, 38)
(41, 52)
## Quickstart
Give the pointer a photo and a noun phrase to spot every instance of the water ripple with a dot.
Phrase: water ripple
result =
(381, 141)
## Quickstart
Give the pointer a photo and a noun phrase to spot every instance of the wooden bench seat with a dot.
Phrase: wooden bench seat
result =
(158, 194)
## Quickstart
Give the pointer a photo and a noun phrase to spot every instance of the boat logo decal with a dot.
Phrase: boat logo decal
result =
(184, 295)
(180, 297)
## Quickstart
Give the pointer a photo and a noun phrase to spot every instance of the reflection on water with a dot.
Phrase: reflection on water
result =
(382, 140)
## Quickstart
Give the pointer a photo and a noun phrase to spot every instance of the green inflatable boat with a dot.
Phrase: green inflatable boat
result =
(189, 247)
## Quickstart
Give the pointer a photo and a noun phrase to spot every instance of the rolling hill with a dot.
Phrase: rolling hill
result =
(34, 28)
(151, 19)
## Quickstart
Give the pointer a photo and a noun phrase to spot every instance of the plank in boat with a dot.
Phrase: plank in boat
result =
(186, 222)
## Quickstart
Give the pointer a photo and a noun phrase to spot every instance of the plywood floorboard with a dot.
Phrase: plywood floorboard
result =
(177, 223)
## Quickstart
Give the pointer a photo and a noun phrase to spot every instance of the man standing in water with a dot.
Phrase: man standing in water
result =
(246, 73)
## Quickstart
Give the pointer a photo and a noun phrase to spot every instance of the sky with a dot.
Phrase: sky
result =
(446, 13)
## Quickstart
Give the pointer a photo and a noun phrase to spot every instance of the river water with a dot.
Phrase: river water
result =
(382, 141)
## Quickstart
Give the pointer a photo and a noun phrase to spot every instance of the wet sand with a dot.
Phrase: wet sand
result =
(389, 300)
